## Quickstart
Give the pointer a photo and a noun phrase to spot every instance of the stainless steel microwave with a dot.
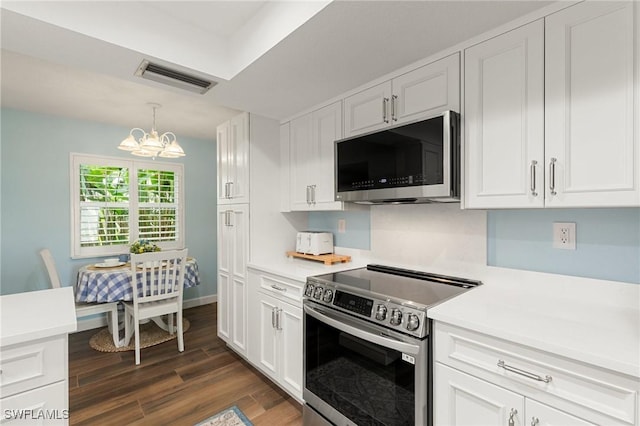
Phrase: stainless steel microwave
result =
(416, 162)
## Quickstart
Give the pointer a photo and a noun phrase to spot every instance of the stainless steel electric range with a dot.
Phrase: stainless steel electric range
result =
(367, 352)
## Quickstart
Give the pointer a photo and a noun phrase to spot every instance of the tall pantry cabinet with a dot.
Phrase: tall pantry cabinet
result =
(233, 230)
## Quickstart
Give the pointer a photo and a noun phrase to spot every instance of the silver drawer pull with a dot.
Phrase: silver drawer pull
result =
(545, 379)
(275, 287)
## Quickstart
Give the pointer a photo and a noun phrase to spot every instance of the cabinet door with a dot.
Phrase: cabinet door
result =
(426, 91)
(233, 250)
(590, 111)
(542, 415)
(463, 400)
(224, 274)
(504, 120)
(291, 348)
(233, 160)
(223, 161)
(302, 162)
(327, 128)
(239, 315)
(368, 110)
(267, 344)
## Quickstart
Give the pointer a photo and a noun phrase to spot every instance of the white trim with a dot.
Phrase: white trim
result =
(101, 321)
(133, 165)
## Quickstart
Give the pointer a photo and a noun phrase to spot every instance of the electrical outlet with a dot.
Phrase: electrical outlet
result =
(342, 226)
(564, 235)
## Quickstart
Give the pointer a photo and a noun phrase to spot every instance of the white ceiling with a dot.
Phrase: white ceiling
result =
(77, 60)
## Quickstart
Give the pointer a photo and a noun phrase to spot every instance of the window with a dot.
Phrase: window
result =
(117, 201)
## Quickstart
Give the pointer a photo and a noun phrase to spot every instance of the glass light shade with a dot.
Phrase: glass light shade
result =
(129, 144)
(151, 142)
(143, 153)
(173, 150)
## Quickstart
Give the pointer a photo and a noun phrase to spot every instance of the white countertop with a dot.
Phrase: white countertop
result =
(300, 269)
(36, 314)
(594, 321)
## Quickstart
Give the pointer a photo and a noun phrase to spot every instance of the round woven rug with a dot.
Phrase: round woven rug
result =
(150, 335)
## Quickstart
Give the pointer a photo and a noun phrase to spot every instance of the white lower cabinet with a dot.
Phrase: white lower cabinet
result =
(275, 315)
(482, 380)
(461, 399)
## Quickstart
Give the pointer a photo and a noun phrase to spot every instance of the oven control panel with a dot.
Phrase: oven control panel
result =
(383, 312)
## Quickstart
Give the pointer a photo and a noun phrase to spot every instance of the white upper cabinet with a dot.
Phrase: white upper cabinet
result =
(233, 160)
(591, 57)
(504, 120)
(311, 141)
(418, 94)
(578, 147)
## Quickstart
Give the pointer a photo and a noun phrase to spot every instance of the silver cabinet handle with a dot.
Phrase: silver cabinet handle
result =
(273, 317)
(229, 192)
(552, 176)
(227, 217)
(545, 379)
(277, 287)
(512, 415)
(394, 104)
(535, 421)
(313, 194)
(308, 194)
(385, 101)
(278, 319)
(226, 190)
(532, 169)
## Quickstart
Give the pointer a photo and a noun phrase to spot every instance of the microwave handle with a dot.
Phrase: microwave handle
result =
(348, 326)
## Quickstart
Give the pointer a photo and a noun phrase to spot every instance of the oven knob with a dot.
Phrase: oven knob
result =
(381, 312)
(413, 322)
(396, 317)
(309, 290)
(318, 293)
(328, 295)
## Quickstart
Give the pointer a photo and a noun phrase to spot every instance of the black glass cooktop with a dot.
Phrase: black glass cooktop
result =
(403, 285)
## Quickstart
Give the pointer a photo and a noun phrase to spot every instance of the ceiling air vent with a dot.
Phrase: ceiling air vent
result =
(173, 78)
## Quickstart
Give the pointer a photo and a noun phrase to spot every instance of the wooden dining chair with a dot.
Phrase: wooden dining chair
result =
(158, 285)
(84, 309)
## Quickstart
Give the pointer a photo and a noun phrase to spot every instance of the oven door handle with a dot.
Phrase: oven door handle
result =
(347, 325)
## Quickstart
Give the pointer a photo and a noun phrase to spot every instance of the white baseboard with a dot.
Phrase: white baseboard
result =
(101, 321)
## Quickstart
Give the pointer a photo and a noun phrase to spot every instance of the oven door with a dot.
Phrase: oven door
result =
(357, 373)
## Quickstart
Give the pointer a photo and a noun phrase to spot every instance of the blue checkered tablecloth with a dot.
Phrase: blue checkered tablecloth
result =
(114, 284)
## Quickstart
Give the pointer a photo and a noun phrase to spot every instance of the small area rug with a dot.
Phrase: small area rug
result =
(150, 334)
(229, 417)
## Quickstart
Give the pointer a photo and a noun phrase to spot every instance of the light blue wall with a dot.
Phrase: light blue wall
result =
(35, 205)
(357, 233)
(607, 242)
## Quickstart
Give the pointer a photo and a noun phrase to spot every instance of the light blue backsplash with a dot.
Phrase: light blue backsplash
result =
(35, 206)
(357, 233)
(607, 243)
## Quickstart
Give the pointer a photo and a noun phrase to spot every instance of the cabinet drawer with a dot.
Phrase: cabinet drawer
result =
(593, 393)
(43, 406)
(281, 287)
(27, 366)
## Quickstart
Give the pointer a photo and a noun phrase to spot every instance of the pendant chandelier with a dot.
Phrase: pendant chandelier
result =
(151, 144)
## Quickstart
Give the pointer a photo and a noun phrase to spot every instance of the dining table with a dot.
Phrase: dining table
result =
(100, 283)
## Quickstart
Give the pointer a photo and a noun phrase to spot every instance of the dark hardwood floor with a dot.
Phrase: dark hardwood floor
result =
(169, 387)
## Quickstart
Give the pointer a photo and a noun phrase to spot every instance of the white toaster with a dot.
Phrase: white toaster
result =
(316, 243)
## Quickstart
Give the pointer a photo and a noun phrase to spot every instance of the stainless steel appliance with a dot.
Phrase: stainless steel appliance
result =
(410, 163)
(367, 352)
